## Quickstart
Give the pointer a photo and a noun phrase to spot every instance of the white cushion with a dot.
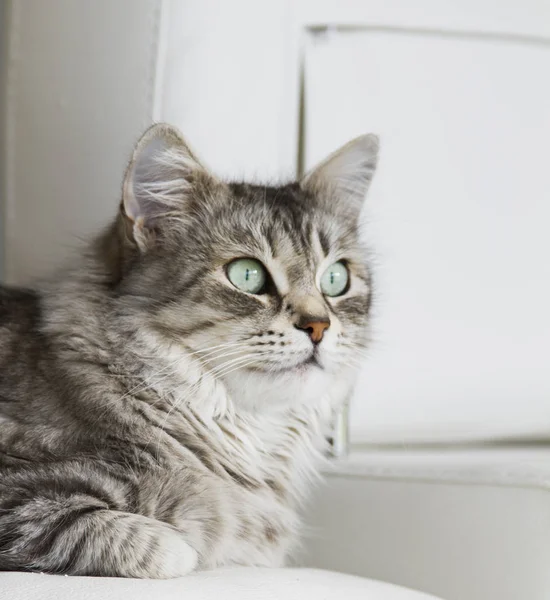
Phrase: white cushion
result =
(223, 584)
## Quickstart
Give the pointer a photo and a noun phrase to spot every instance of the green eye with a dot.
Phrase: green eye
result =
(334, 281)
(247, 275)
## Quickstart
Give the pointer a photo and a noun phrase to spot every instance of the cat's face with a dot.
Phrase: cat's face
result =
(267, 286)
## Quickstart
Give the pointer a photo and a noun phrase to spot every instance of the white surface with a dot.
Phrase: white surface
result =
(227, 584)
(529, 17)
(497, 465)
(463, 524)
(225, 84)
(457, 220)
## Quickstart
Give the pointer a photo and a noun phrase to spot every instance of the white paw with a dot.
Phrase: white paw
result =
(174, 557)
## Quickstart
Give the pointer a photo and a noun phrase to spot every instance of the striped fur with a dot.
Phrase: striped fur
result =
(153, 418)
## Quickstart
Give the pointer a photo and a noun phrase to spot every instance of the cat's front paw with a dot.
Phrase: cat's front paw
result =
(173, 558)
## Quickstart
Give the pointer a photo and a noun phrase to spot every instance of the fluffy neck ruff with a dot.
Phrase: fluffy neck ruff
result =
(282, 444)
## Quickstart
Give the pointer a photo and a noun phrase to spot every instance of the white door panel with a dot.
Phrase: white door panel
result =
(458, 220)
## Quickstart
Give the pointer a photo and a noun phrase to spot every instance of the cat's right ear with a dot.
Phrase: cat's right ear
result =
(158, 179)
(344, 178)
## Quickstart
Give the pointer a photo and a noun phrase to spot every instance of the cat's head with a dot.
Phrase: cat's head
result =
(268, 286)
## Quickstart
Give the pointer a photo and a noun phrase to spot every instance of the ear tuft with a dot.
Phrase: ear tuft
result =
(345, 176)
(159, 175)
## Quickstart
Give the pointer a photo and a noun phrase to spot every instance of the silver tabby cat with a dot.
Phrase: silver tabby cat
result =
(163, 403)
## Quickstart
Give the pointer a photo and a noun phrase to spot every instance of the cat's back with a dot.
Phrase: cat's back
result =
(19, 313)
(17, 305)
(20, 338)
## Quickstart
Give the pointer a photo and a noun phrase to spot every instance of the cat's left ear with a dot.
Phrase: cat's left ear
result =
(159, 178)
(345, 176)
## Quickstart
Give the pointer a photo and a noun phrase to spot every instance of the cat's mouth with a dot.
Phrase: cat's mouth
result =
(312, 362)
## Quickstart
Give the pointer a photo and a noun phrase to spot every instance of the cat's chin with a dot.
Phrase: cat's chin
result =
(304, 383)
(302, 369)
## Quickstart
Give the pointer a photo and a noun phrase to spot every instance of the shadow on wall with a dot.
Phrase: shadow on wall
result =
(3, 69)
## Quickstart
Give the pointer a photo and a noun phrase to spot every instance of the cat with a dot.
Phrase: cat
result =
(163, 402)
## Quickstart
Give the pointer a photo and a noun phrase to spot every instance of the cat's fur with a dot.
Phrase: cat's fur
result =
(153, 418)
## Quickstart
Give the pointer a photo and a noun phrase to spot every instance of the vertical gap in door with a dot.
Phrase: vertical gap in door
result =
(300, 154)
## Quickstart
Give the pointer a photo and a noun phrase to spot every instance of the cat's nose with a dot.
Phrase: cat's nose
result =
(315, 327)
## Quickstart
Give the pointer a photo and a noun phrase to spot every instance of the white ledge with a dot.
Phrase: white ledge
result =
(507, 465)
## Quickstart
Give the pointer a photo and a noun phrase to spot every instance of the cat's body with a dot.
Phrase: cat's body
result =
(154, 419)
(81, 424)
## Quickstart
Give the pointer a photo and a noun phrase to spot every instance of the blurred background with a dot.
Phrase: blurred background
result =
(457, 219)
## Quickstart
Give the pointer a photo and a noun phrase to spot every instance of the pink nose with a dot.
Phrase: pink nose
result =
(315, 329)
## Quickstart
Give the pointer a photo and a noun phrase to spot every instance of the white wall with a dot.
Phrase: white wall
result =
(229, 82)
(81, 81)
